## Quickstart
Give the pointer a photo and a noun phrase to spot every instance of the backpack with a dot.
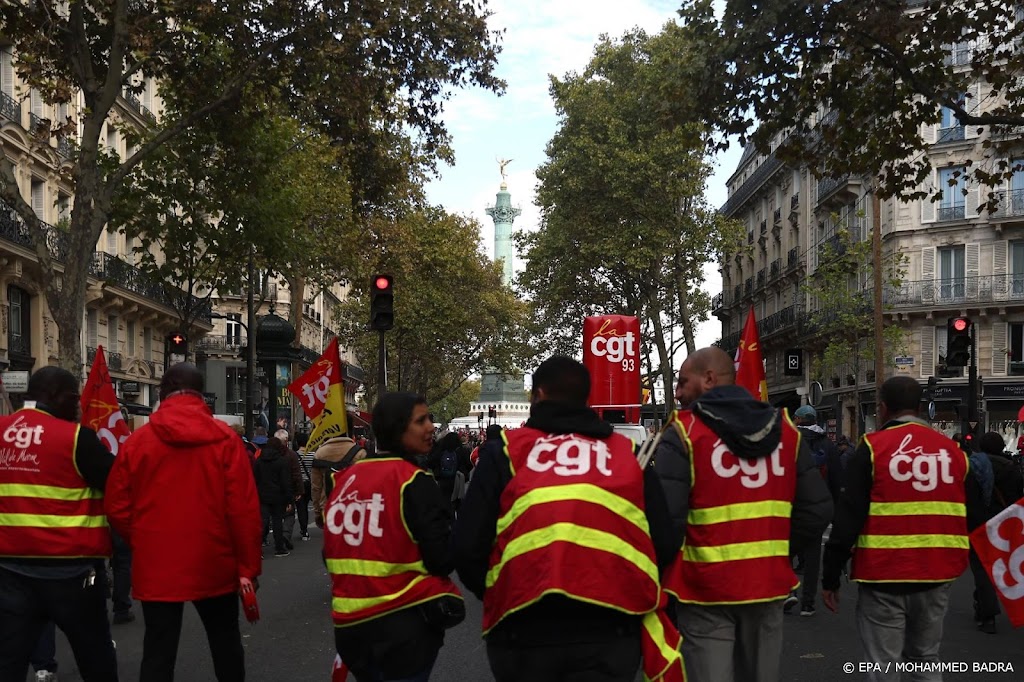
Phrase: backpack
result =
(334, 467)
(449, 465)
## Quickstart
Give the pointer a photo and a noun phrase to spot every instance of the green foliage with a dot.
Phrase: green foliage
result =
(457, 403)
(624, 228)
(882, 69)
(453, 316)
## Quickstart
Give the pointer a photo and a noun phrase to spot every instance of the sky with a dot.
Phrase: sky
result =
(541, 37)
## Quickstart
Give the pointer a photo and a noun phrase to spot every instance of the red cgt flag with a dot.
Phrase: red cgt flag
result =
(321, 392)
(100, 409)
(1000, 546)
(750, 361)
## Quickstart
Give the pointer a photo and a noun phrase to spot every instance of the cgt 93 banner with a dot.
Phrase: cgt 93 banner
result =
(611, 352)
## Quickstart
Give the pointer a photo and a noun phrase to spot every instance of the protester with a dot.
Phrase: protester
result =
(392, 599)
(334, 455)
(569, 605)
(903, 516)
(53, 569)
(295, 467)
(274, 484)
(306, 463)
(444, 463)
(182, 495)
(734, 474)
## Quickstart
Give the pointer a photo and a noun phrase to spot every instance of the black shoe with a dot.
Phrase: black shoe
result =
(988, 626)
(122, 617)
(807, 611)
(284, 552)
(791, 601)
(305, 536)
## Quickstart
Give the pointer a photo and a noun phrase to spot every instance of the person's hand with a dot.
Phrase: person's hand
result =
(288, 509)
(319, 521)
(298, 497)
(245, 585)
(831, 599)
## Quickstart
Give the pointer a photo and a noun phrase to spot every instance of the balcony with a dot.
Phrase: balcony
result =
(794, 202)
(716, 302)
(950, 134)
(135, 104)
(750, 237)
(956, 292)
(748, 286)
(775, 270)
(829, 186)
(63, 148)
(832, 247)
(764, 227)
(777, 216)
(13, 229)
(221, 342)
(729, 342)
(792, 259)
(118, 273)
(1010, 203)
(736, 293)
(10, 108)
(958, 55)
(752, 183)
(36, 122)
(950, 213)
(783, 320)
(760, 278)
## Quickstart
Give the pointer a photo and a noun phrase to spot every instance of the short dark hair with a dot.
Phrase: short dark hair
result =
(563, 379)
(391, 417)
(901, 394)
(992, 443)
(48, 382)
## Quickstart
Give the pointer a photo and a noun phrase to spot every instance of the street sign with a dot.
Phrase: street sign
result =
(15, 382)
(904, 360)
(794, 362)
(816, 390)
(974, 425)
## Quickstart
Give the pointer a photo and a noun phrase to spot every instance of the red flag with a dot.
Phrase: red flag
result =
(100, 409)
(321, 391)
(1000, 546)
(339, 673)
(750, 361)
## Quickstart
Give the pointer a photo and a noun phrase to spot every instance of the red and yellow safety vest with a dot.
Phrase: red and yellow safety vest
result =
(571, 522)
(916, 530)
(375, 564)
(736, 549)
(47, 510)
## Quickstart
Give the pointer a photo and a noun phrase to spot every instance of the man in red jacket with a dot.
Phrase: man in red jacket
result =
(182, 493)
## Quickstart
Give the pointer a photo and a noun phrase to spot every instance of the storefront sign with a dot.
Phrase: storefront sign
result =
(15, 382)
(1004, 391)
(130, 387)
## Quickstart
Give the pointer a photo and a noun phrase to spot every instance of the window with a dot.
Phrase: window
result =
(39, 199)
(235, 390)
(92, 323)
(1016, 348)
(130, 334)
(147, 343)
(1015, 200)
(950, 129)
(113, 341)
(19, 323)
(112, 138)
(952, 185)
(234, 329)
(1017, 269)
(111, 241)
(63, 207)
(7, 72)
(951, 273)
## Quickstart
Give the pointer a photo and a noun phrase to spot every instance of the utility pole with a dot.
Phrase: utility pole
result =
(972, 386)
(876, 294)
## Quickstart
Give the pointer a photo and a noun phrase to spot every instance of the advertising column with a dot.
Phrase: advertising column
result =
(611, 354)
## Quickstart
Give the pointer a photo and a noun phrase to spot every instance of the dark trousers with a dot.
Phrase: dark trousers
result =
(44, 656)
(615, 659)
(398, 647)
(121, 566)
(163, 630)
(302, 508)
(984, 593)
(811, 556)
(78, 609)
(273, 517)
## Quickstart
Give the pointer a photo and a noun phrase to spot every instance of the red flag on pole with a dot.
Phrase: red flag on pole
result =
(321, 392)
(339, 673)
(999, 545)
(100, 409)
(750, 361)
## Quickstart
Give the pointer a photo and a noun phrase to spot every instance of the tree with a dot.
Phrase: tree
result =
(848, 87)
(453, 316)
(395, 62)
(457, 403)
(624, 228)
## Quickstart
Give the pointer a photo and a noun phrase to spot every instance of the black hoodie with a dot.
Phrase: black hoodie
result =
(273, 477)
(553, 618)
(751, 429)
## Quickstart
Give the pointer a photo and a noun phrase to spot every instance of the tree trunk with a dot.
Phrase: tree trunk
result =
(666, 359)
(686, 320)
(297, 291)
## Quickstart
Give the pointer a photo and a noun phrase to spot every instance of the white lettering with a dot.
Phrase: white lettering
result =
(753, 472)
(317, 391)
(106, 434)
(573, 455)
(351, 518)
(614, 348)
(22, 435)
(926, 469)
(1005, 570)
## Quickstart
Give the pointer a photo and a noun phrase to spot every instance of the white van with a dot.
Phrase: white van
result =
(635, 432)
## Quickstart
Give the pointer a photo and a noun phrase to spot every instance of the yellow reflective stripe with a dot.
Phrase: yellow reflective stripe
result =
(53, 521)
(371, 568)
(354, 605)
(582, 536)
(912, 508)
(586, 492)
(656, 632)
(739, 512)
(919, 541)
(738, 550)
(48, 492)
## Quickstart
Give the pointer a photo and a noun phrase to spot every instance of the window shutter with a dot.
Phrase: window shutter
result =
(972, 263)
(972, 199)
(929, 131)
(927, 351)
(1000, 250)
(35, 102)
(39, 199)
(147, 94)
(112, 334)
(999, 348)
(927, 204)
(973, 107)
(111, 241)
(928, 274)
(7, 71)
(92, 328)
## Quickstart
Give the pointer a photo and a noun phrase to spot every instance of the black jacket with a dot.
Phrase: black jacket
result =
(751, 429)
(851, 515)
(553, 618)
(273, 478)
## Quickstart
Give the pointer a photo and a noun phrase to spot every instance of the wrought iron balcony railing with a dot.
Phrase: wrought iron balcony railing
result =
(14, 229)
(792, 259)
(10, 108)
(225, 342)
(750, 237)
(775, 269)
(748, 286)
(63, 147)
(736, 293)
(764, 226)
(950, 134)
(1011, 203)
(777, 216)
(782, 320)
(130, 278)
(949, 213)
(966, 290)
(828, 186)
(794, 202)
(138, 106)
(716, 302)
(760, 278)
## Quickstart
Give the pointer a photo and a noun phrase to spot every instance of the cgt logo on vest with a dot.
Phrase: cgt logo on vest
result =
(21, 435)
(753, 473)
(351, 518)
(569, 455)
(924, 468)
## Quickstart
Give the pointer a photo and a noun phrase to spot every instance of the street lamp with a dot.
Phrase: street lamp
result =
(250, 370)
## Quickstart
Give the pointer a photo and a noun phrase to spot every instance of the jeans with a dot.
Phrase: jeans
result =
(615, 659)
(902, 627)
(736, 642)
(163, 631)
(44, 656)
(78, 609)
(121, 566)
(273, 517)
(302, 508)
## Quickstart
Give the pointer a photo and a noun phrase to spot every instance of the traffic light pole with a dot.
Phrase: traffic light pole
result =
(972, 385)
(250, 361)
(382, 366)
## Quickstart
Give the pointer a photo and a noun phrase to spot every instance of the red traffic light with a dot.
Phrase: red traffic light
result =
(177, 338)
(381, 282)
(960, 324)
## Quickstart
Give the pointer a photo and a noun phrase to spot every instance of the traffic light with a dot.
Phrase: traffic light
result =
(958, 342)
(382, 303)
(177, 344)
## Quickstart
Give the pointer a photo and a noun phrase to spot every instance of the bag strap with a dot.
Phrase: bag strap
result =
(346, 461)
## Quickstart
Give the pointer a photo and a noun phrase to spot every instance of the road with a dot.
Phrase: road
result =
(294, 640)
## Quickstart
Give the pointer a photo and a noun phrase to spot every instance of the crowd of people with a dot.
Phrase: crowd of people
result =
(589, 566)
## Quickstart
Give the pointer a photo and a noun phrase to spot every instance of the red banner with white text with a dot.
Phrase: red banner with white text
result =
(1000, 546)
(611, 352)
(100, 410)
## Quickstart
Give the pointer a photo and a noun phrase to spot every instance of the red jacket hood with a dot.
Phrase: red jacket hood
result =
(184, 419)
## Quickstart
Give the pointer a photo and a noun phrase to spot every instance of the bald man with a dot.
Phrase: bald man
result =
(742, 491)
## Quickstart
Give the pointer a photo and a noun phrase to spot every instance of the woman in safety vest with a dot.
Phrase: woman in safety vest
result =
(386, 530)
